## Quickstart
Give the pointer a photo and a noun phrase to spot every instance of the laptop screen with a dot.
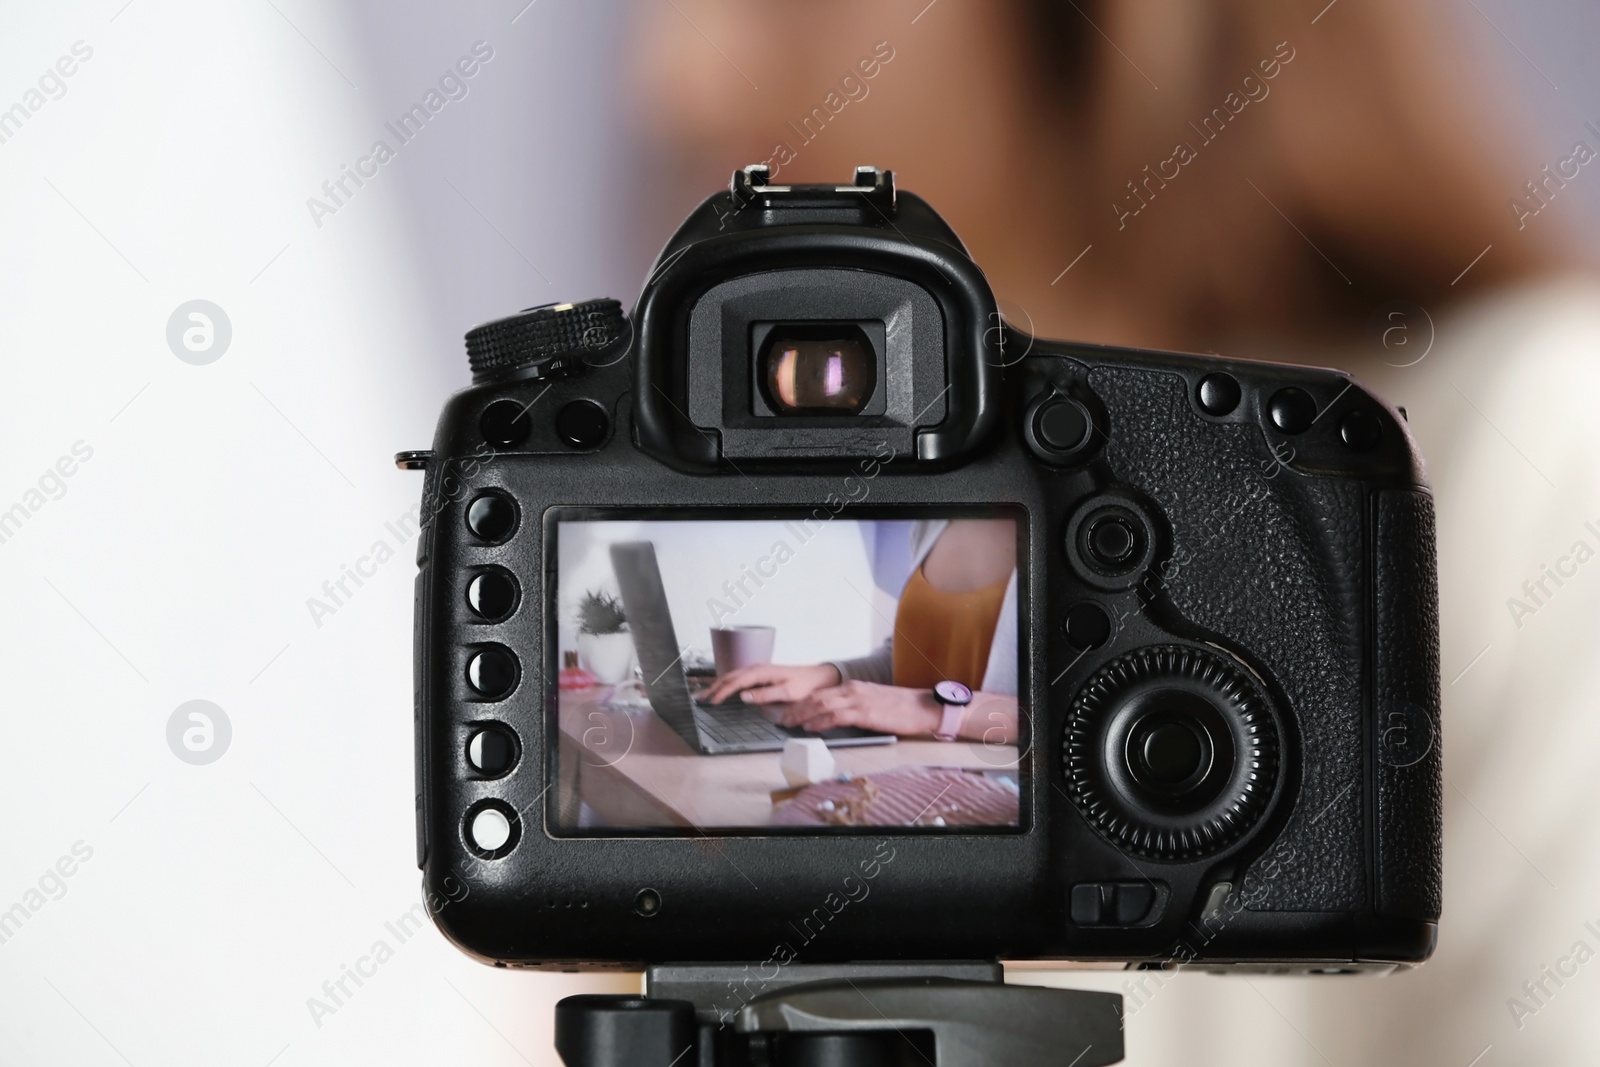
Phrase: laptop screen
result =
(801, 672)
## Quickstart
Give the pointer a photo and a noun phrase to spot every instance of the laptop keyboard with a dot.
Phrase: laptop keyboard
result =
(733, 724)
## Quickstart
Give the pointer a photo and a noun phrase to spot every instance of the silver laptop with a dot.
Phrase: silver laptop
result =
(710, 729)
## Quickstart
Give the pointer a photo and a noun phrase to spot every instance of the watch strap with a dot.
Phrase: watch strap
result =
(950, 722)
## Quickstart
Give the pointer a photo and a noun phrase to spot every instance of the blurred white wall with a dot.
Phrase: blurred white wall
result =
(207, 504)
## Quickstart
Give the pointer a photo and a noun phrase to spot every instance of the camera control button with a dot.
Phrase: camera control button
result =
(1087, 626)
(492, 673)
(505, 423)
(1114, 903)
(1133, 902)
(492, 595)
(492, 829)
(1360, 430)
(1171, 754)
(1292, 410)
(1112, 540)
(491, 751)
(1063, 424)
(1216, 900)
(1218, 394)
(1086, 904)
(582, 424)
(492, 517)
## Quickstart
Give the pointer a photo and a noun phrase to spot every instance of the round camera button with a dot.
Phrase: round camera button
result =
(1360, 430)
(1292, 410)
(582, 424)
(505, 423)
(1087, 626)
(1171, 753)
(492, 595)
(647, 903)
(490, 829)
(1063, 424)
(492, 673)
(1218, 394)
(492, 518)
(491, 751)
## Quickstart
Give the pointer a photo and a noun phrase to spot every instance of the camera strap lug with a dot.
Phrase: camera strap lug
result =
(417, 460)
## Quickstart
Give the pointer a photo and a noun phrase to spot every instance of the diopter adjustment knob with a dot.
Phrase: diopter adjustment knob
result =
(544, 342)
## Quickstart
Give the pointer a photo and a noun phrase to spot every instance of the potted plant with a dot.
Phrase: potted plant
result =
(603, 638)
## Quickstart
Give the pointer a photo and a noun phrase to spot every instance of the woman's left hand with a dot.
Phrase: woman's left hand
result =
(891, 709)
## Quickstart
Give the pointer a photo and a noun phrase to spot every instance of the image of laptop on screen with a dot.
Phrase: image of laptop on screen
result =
(710, 729)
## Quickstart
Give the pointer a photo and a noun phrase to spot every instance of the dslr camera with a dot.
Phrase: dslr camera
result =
(814, 614)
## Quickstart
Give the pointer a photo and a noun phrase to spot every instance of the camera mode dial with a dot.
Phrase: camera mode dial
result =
(544, 342)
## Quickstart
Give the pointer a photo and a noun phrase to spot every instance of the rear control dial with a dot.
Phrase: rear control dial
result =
(1171, 752)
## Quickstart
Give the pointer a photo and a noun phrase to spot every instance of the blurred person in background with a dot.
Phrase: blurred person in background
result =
(1334, 185)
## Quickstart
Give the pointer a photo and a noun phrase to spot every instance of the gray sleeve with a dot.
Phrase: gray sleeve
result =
(877, 667)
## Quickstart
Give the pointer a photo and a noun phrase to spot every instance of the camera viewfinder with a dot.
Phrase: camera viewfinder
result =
(817, 368)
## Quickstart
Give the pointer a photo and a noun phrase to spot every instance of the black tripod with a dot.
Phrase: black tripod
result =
(839, 1015)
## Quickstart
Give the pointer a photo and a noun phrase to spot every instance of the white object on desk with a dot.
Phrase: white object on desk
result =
(806, 761)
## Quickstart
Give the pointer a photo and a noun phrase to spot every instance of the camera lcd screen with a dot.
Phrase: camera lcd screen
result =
(799, 673)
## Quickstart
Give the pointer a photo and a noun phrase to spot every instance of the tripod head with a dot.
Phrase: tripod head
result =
(839, 1015)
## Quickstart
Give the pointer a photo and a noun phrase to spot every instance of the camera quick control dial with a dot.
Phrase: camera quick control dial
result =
(544, 342)
(1172, 752)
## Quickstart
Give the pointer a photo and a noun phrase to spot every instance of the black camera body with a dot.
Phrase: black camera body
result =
(1225, 676)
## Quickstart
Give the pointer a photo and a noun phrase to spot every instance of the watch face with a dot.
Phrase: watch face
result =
(949, 692)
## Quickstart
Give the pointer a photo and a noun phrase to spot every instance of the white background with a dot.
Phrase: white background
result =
(219, 498)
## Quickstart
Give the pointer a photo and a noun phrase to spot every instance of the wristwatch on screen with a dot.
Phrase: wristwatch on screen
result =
(954, 697)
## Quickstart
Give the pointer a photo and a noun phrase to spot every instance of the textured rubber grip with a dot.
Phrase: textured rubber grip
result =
(1406, 661)
(543, 340)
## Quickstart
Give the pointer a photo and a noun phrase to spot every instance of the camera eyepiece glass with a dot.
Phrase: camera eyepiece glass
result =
(817, 368)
